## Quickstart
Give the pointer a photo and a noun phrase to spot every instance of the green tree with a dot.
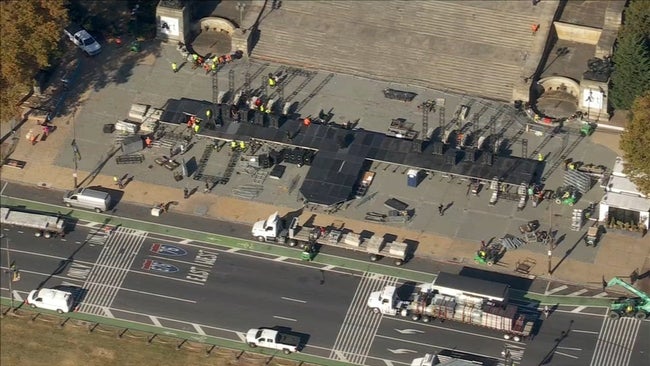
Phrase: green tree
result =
(637, 19)
(631, 76)
(30, 34)
(635, 143)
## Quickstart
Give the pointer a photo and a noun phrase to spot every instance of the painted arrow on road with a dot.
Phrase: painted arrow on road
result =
(409, 331)
(401, 351)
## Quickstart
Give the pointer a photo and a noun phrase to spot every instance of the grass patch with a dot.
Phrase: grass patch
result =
(44, 342)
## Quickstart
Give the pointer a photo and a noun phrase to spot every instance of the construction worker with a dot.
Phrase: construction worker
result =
(242, 145)
(540, 157)
(196, 128)
(214, 67)
(233, 145)
(208, 113)
(195, 60)
(534, 28)
(174, 67)
(306, 121)
(148, 141)
(262, 108)
(271, 81)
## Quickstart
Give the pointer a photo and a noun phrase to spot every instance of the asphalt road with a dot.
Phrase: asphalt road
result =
(186, 282)
(180, 284)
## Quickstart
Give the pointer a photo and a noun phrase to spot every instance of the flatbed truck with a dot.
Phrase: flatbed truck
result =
(272, 229)
(44, 224)
(425, 303)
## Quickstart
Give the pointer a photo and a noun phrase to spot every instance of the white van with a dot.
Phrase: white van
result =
(51, 299)
(88, 198)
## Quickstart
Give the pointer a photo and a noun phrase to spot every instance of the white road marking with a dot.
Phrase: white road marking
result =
(388, 363)
(198, 329)
(280, 259)
(328, 267)
(283, 318)
(155, 321)
(602, 294)
(185, 241)
(578, 293)
(565, 355)
(340, 356)
(167, 259)
(107, 312)
(296, 300)
(242, 336)
(17, 296)
(570, 348)
(233, 250)
(3, 188)
(583, 331)
(168, 277)
(557, 289)
(578, 309)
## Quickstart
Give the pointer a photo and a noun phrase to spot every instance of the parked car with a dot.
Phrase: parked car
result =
(51, 299)
(83, 39)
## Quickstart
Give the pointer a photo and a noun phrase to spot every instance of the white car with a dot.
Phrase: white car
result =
(83, 39)
(51, 299)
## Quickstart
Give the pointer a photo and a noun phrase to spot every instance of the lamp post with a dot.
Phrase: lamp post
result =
(241, 7)
(550, 238)
(10, 271)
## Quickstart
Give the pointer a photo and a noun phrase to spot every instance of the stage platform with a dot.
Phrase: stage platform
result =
(341, 152)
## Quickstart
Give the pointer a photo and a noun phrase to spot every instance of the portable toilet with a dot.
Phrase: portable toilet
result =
(413, 177)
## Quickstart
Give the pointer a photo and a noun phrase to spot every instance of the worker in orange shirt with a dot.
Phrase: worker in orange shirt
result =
(534, 28)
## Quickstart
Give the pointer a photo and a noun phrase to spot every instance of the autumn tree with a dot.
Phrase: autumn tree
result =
(635, 143)
(30, 34)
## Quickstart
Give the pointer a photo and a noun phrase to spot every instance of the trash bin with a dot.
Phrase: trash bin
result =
(413, 178)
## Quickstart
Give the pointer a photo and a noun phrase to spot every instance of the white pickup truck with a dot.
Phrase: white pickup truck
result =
(83, 39)
(269, 338)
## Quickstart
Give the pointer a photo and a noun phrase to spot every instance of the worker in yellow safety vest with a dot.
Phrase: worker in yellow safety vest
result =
(242, 145)
(233, 145)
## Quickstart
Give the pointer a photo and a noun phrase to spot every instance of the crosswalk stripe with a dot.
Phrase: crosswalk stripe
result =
(578, 309)
(602, 294)
(360, 325)
(579, 292)
(557, 289)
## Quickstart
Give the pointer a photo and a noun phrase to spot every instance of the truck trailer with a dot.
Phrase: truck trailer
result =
(426, 303)
(45, 225)
(272, 229)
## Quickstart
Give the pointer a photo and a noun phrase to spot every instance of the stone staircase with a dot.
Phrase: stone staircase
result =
(472, 47)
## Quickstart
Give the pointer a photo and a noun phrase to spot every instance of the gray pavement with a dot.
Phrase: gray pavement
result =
(147, 78)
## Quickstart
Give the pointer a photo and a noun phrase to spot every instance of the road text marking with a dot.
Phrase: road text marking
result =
(155, 321)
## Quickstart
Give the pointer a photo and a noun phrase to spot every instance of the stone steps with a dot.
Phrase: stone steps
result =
(437, 46)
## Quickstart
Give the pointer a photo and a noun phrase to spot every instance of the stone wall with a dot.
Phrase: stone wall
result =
(173, 24)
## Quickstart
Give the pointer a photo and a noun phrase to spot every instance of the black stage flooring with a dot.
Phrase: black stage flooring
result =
(341, 152)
